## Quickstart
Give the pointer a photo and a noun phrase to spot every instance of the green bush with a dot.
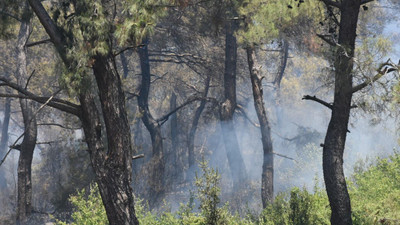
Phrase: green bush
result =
(374, 192)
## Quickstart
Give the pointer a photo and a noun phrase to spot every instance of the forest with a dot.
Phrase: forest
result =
(206, 112)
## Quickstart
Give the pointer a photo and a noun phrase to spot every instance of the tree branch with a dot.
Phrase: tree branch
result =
(384, 69)
(137, 156)
(59, 104)
(59, 125)
(313, 98)
(332, 3)
(164, 118)
(243, 111)
(10, 15)
(38, 43)
(366, 1)
(324, 38)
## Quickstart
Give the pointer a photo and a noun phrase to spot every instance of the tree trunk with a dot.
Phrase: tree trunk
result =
(4, 139)
(193, 128)
(115, 175)
(4, 129)
(267, 178)
(24, 200)
(112, 165)
(227, 109)
(157, 163)
(337, 130)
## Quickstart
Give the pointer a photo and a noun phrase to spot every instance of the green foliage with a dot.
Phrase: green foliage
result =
(374, 191)
(267, 20)
(208, 193)
(88, 210)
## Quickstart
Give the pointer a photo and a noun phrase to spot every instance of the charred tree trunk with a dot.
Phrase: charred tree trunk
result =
(267, 178)
(158, 165)
(124, 63)
(112, 164)
(174, 124)
(283, 63)
(24, 200)
(337, 130)
(227, 109)
(277, 81)
(4, 139)
(4, 129)
(193, 128)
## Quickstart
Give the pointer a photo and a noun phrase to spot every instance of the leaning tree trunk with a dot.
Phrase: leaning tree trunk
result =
(335, 139)
(111, 164)
(267, 178)
(24, 200)
(227, 109)
(193, 128)
(156, 179)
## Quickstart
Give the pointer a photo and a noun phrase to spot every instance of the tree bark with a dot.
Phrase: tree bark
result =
(4, 139)
(156, 179)
(267, 178)
(193, 128)
(111, 164)
(227, 109)
(24, 199)
(337, 130)
(4, 129)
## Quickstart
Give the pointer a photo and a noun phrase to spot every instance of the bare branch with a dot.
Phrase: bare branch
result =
(332, 3)
(137, 156)
(38, 43)
(284, 156)
(10, 15)
(366, 1)
(245, 114)
(29, 79)
(313, 98)
(60, 104)
(325, 38)
(59, 125)
(164, 118)
(384, 69)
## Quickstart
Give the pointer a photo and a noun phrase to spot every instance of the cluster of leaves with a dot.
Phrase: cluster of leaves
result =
(265, 22)
(92, 28)
(374, 192)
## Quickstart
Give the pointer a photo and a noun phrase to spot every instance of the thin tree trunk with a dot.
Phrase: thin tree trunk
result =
(112, 165)
(4, 129)
(158, 165)
(24, 200)
(267, 178)
(124, 63)
(227, 109)
(4, 139)
(337, 130)
(193, 128)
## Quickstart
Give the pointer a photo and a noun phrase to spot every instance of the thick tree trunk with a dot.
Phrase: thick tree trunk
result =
(337, 130)
(156, 179)
(193, 128)
(24, 200)
(112, 165)
(115, 175)
(267, 178)
(227, 109)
